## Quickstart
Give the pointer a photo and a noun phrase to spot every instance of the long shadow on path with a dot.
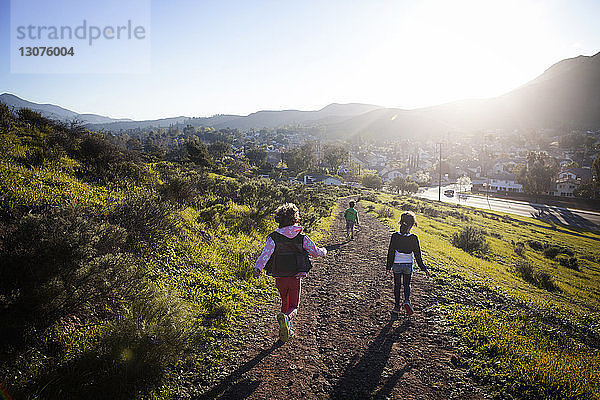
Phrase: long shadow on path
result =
(360, 379)
(336, 246)
(232, 387)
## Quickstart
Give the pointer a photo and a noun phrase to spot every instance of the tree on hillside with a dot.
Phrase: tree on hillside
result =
(397, 184)
(403, 186)
(411, 187)
(301, 158)
(539, 173)
(219, 149)
(5, 118)
(334, 156)
(256, 155)
(591, 190)
(189, 130)
(197, 153)
(372, 181)
(576, 141)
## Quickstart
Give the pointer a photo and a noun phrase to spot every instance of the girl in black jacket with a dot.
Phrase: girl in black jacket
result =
(404, 248)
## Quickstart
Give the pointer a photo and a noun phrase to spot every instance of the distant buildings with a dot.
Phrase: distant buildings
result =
(569, 180)
(502, 183)
(317, 178)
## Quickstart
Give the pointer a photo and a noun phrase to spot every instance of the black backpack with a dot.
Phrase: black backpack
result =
(289, 256)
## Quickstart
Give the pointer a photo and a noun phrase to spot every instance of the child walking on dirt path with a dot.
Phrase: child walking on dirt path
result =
(285, 257)
(351, 216)
(404, 247)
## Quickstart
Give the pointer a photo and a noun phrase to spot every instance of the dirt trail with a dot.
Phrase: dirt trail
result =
(347, 344)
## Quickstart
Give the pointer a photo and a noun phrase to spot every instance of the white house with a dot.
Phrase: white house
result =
(581, 175)
(565, 187)
(504, 182)
(570, 179)
(326, 179)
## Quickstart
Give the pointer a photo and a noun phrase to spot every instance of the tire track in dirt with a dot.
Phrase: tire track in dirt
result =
(347, 345)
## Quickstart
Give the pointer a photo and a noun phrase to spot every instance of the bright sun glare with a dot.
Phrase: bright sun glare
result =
(456, 49)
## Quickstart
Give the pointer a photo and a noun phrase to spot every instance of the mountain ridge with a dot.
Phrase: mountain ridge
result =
(567, 94)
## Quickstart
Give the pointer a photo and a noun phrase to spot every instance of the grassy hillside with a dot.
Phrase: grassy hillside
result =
(120, 275)
(523, 301)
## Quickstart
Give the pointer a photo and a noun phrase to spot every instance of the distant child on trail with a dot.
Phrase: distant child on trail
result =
(404, 247)
(351, 216)
(285, 257)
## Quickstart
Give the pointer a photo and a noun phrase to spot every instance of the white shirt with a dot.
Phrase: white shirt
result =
(403, 258)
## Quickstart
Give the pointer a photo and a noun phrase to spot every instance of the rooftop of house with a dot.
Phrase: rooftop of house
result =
(503, 176)
(584, 174)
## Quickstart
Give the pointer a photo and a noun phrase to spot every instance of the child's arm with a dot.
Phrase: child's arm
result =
(312, 248)
(418, 257)
(391, 254)
(264, 257)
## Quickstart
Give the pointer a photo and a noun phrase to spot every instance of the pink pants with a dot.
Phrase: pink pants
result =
(289, 290)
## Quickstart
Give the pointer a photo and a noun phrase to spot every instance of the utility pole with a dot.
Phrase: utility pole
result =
(440, 175)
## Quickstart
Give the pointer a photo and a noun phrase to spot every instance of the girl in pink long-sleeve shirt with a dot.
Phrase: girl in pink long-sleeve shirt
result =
(286, 257)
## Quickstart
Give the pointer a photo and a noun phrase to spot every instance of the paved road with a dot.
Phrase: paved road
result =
(567, 216)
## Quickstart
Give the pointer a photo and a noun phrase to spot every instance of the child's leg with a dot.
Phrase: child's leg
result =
(294, 297)
(397, 287)
(406, 287)
(283, 289)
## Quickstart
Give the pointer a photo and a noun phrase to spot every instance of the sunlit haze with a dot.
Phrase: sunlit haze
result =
(240, 57)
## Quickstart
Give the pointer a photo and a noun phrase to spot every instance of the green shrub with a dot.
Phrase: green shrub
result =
(129, 357)
(178, 189)
(369, 197)
(551, 251)
(64, 262)
(471, 239)
(458, 215)
(385, 212)
(431, 211)
(535, 245)
(519, 248)
(530, 274)
(27, 115)
(545, 281)
(145, 218)
(569, 262)
(526, 271)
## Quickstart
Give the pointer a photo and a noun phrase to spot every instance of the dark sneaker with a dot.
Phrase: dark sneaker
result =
(409, 309)
(284, 327)
(396, 310)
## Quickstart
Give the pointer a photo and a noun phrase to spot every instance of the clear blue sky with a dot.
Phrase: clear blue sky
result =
(238, 57)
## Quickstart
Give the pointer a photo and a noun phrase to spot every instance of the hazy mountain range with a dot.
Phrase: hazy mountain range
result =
(566, 95)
